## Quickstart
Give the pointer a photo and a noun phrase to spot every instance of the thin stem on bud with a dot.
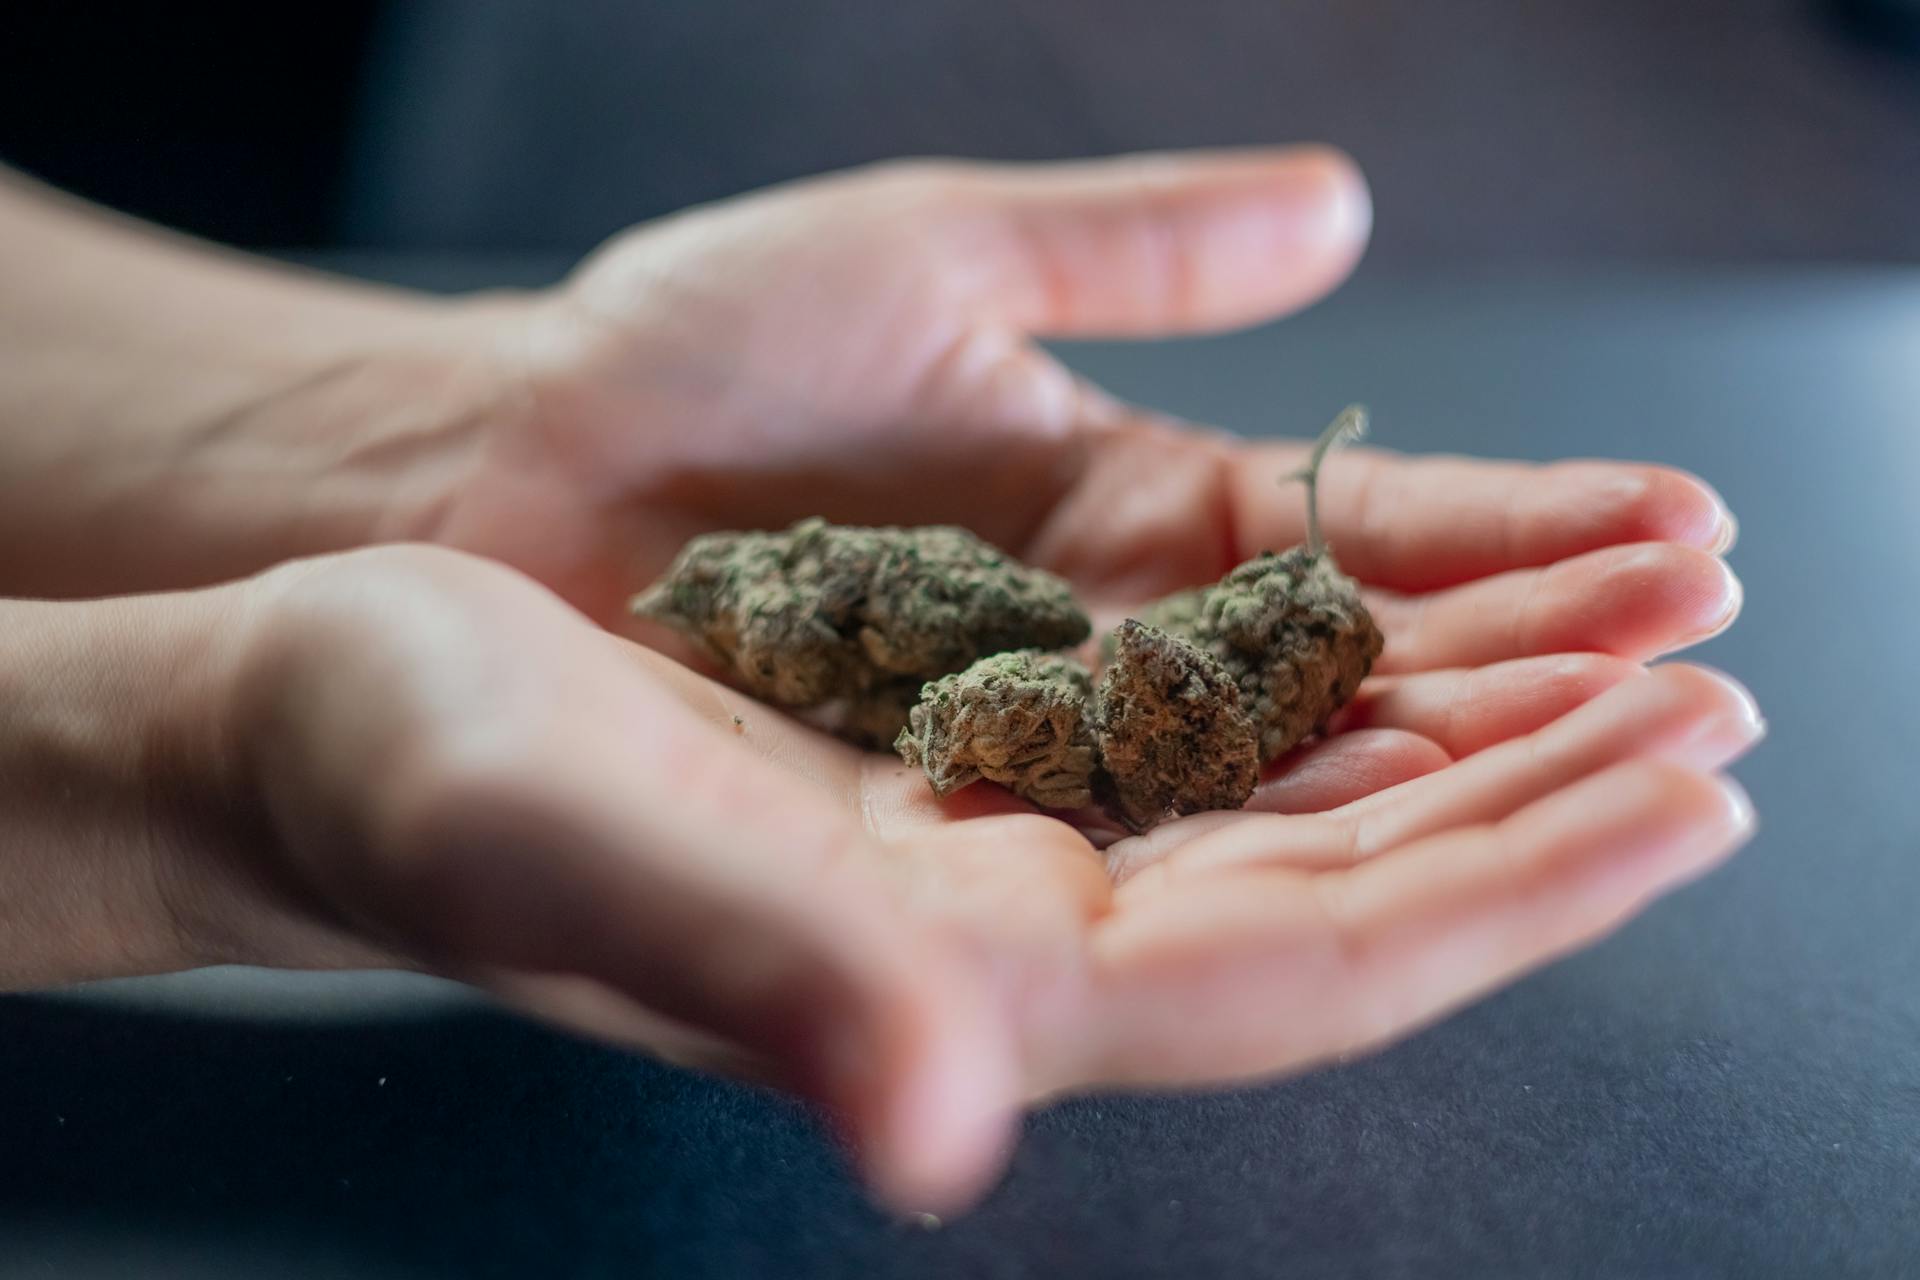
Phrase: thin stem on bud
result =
(1351, 424)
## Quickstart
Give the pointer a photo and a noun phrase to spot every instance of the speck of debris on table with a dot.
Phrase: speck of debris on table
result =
(926, 1221)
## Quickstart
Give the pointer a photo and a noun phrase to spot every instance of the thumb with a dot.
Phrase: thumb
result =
(1171, 242)
(671, 864)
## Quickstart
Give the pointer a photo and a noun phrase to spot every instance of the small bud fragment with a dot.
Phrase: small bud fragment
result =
(1173, 735)
(1018, 719)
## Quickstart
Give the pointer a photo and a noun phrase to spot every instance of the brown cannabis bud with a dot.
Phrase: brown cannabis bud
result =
(1174, 737)
(1018, 719)
(820, 613)
(1288, 626)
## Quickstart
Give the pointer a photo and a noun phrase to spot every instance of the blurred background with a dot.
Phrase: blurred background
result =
(1732, 1087)
(1493, 130)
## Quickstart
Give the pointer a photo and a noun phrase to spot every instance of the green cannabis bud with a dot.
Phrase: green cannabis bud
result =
(859, 616)
(1288, 626)
(933, 641)
(1174, 737)
(1291, 630)
(1018, 719)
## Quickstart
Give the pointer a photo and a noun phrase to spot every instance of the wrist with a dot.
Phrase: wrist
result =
(134, 837)
(315, 419)
(360, 438)
(111, 783)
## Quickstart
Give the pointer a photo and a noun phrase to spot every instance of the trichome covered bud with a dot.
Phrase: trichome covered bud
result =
(1018, 719)
(1174, 736)
(1288, 626)
(820, 613)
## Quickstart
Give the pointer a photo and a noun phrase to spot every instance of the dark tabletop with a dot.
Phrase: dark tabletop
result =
(1729, 1087)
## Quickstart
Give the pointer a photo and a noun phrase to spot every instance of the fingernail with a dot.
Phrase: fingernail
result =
(1324, 198)
(1733, 595)
(1346, 212)
(1718, 742)
(1712, 846)
(1728, 532)
(1726, 529)
(1741, 818)
(1727, 728)
(1749, 712)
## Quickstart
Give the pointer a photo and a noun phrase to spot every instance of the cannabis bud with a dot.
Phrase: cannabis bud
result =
(934, 641)
(1173, 735)
(1290, 629)
(856, 616)
(1018, 719)
(1288, 626)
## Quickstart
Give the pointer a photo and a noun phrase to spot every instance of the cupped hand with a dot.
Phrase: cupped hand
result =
(453, 769)
(861, 347)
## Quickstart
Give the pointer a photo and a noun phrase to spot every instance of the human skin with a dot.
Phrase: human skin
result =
(412, 756)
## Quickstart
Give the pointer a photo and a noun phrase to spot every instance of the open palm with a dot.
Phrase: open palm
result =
(662, 861)
(467, 775)
(860, 347)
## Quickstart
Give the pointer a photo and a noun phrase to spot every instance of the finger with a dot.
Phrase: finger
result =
(1634, 602)
(1341, 769)
(1682, 714)
(1464, 711)
(1263, 971)
(1417, 523)
(1141, 245)
(659, 857)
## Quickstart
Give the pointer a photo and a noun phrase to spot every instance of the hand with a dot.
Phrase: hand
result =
(447, 767)
(855, 346)
(859, 347)
(427, 760)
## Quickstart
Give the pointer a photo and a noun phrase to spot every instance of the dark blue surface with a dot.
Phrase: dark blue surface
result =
(1730, 1087)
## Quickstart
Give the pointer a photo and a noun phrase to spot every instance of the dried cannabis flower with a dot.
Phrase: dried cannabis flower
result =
(821, 613)
(1018, 719)
(1173, 735)
(934, 641)
(1288, 626)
